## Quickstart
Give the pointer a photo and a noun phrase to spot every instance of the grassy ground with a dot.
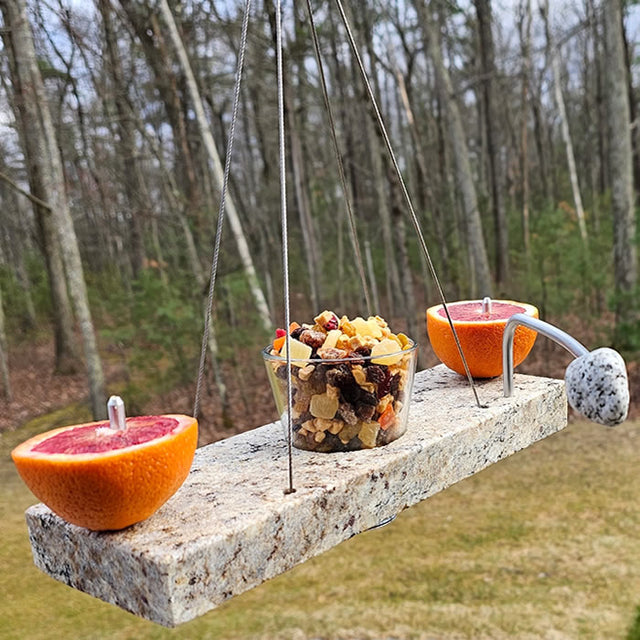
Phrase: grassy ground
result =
(544, 544)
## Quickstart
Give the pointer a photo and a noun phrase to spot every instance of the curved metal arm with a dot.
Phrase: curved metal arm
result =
(557, 335)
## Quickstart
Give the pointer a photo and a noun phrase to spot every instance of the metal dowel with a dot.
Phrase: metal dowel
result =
(574, 347)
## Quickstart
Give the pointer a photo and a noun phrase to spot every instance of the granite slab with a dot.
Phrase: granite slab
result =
(231, 526)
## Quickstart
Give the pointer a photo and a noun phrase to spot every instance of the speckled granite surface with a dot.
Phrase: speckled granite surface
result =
(231, 527)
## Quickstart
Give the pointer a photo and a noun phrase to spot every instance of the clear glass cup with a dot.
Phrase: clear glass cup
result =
(344, 404)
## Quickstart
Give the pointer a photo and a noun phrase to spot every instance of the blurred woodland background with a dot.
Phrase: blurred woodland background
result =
(515, 123)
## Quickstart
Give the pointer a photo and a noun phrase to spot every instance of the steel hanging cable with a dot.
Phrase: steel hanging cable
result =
(221, 210)
(285, 237)
(336, 148)
(405, 193)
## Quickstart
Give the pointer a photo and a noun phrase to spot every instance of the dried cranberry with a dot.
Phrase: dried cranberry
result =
(280, 333)
(332, 324)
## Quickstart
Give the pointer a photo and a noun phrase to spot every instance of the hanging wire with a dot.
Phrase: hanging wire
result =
(221, 211)
(405, 193)
(336, 148)
(285, 237)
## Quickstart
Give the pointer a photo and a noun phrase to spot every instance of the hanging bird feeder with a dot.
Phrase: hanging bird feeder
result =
(236, 521)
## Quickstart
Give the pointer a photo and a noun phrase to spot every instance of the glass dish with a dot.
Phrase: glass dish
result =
(344, 404)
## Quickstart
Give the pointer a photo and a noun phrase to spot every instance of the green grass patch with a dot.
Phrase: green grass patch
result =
(543, 544)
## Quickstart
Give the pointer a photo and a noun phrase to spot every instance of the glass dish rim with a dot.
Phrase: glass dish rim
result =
(353, 359)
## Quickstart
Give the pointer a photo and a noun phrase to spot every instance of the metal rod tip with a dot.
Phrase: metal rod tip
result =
(116, 412)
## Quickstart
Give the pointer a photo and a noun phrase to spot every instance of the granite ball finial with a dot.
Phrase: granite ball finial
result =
(598, 388)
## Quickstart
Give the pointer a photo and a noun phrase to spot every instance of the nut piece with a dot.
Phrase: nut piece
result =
(306, 372)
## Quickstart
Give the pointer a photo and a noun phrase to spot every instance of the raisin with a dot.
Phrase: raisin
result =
(340, 376)
(318, 376)
(363, 351)
(384, 386)
(368, 398)
(365, 411)
(377, 373)
(395, 384)
(296, 332)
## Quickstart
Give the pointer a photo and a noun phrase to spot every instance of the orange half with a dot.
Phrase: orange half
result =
(480, 335)
(103, 479)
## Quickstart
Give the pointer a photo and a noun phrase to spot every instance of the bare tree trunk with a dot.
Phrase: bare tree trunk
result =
(524, 27)
(44, 161)
(18, 233)
(564, 123)
(66, 357)
(539, 137)
(491, 120)
(134, 185)
(300, 183)
(4, 356)
(481, 284)
(620, 176)
(216, 166)
(145, 24)
(629, 53)
(170, 189)
(600, 180)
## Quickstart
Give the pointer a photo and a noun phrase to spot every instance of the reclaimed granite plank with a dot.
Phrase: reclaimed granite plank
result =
(231, 527)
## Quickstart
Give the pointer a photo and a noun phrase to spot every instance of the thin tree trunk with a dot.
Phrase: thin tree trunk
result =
(216, 166)
(152, 37)
(629, 53)
(599, 168)
(620, 176)
(134, 185)
(44, 160)
(18, 234)
(564, 124)
(524, 27)
(170, 189)
(300, 183)
(480, 284)
(4, 356)
(491, 120)
(372, 275)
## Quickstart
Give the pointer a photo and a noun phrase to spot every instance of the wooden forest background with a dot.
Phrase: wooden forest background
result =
(515, 123)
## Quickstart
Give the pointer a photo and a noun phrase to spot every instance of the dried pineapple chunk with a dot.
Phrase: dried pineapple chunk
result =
(366, 327)
(380, 351)
(324, 406)
(299, 351)
(368, 434)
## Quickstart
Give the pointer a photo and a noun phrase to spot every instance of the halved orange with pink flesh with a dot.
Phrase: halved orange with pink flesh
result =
(103, 478)
(480, 332)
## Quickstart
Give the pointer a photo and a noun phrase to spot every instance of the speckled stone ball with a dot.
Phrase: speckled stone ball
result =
(598, 388)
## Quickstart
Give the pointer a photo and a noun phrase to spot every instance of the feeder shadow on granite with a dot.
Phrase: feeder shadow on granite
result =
(231, 527)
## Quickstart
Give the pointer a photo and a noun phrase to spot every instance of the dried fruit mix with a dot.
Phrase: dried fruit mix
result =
(350, 382)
